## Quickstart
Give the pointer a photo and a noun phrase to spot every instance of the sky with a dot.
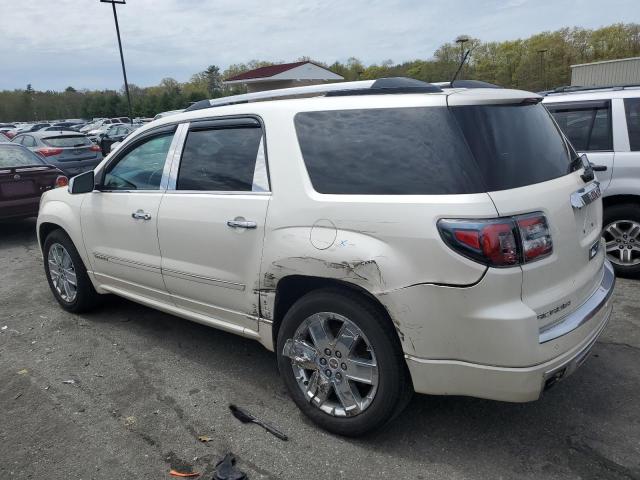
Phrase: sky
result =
(53, 44)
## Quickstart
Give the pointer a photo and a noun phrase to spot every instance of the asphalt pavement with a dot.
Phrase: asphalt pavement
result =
(125, 393)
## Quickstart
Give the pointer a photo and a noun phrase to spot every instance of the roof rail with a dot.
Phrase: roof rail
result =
(578, 88)
(361, 87)
(467, 84)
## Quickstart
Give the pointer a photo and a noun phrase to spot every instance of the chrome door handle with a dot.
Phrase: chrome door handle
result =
(141, 215)
(241, 224)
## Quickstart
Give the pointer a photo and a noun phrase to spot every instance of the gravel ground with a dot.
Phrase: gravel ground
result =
(146, 385)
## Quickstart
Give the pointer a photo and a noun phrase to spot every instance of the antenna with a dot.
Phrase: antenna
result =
(464, 59)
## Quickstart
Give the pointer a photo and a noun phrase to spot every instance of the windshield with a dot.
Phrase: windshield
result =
(67, 141)
(16, 156)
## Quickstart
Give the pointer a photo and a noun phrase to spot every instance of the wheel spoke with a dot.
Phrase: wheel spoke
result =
(301, 354)
(348, 396)
(319, 388)
(346, 340)
(612, 246)
(67, 289)
(634, 231)
(625, 255)
(319, 331)
(614, 230)
(363, 371)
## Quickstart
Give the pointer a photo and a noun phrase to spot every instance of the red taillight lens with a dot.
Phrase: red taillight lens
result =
(10, 134)
(500, 242)
(95, 148)
(49, 152)
(62, 181)
(535, 237)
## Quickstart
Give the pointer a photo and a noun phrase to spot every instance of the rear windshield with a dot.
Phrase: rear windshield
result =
(67, 141)
(15, 156)
(430, 151)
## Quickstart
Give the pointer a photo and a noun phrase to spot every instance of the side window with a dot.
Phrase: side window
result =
(632, 112)
(28, 141)
(18, 139)
(140, 168)
(230, 159)
(586, 124)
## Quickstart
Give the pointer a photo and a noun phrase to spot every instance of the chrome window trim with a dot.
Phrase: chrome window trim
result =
(220, 192)
(262, 156)
(173, 158)
(203, 279)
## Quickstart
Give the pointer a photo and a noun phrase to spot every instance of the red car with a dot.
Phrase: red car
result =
(24, 177)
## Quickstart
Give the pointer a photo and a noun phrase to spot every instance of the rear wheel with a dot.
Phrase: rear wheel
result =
(341, 362)
(622, 236)
(67, 275)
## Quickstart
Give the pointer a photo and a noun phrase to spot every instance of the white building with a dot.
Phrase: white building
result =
(283, 76)
(625, 71)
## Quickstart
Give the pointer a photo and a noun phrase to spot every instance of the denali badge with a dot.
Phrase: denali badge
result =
(585, 196)
(554, 310)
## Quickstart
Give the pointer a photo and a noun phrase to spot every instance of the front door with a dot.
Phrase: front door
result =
(211, 226)
(119, 221)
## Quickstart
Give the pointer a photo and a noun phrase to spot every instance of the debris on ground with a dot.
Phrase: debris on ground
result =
(246, 417)
(128, 421)
(175, 473)
(5, 327)
(204, 438)
(17, 396)
(69, 382)
(23, 371)
(226, 469)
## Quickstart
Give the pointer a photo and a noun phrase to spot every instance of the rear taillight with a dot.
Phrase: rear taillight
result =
(499, 242)
(49, 152)
(61, 181)
(95, 148)
(10, 134)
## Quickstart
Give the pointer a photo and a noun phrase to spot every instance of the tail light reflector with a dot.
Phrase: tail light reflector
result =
(95, 148)
(49, 152)
(499, 242)
(61, 181)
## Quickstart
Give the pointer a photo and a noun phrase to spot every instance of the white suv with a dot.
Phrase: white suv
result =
(605, 123)
(382, 237)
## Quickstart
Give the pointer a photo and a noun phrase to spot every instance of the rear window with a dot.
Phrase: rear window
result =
(514, 145)
(632, 112)
(14, 156)
(401, 151)
(586, 124)
(67, 141)
(431, 151)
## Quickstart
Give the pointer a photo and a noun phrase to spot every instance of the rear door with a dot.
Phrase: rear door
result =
(526, 164)
(211, 224)
(588, 125)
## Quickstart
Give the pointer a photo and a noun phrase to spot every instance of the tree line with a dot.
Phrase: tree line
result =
(539, 62)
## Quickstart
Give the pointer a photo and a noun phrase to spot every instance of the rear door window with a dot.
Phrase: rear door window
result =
(396, 151)
(15, 156)
(28, 141)
(228, 159)
(586, 124)
(632, 112)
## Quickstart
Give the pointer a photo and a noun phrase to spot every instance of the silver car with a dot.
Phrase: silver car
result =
(71, 152)
(604, 123)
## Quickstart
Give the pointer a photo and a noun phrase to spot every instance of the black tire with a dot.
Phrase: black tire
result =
(394, 388)
(620, 213)
(86, 297)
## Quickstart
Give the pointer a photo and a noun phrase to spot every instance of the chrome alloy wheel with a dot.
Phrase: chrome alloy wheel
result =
(62, 272)
(333, 364)
(622, 239)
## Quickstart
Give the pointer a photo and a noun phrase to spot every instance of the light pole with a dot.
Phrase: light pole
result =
(461, 40)
(543, 73)
(124, 71)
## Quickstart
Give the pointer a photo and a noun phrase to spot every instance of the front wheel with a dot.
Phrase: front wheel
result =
(67, 275)
(622, 236)
(342, 362)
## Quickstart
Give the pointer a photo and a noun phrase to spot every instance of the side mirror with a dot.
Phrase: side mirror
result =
(83, 183)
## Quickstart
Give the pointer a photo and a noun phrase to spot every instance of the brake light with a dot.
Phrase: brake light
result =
(49, 152)
(10, 134)
(61, 181)
(95, 148)
(499, 242)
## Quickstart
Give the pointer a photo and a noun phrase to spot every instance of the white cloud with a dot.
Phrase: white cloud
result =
(52, 44)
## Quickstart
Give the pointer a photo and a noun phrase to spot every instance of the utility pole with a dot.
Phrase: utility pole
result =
(124, 71)
(543, 73)
(461, 40)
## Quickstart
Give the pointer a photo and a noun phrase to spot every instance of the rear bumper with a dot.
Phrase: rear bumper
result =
(483, 341)
(24, 207)
(445, 377)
